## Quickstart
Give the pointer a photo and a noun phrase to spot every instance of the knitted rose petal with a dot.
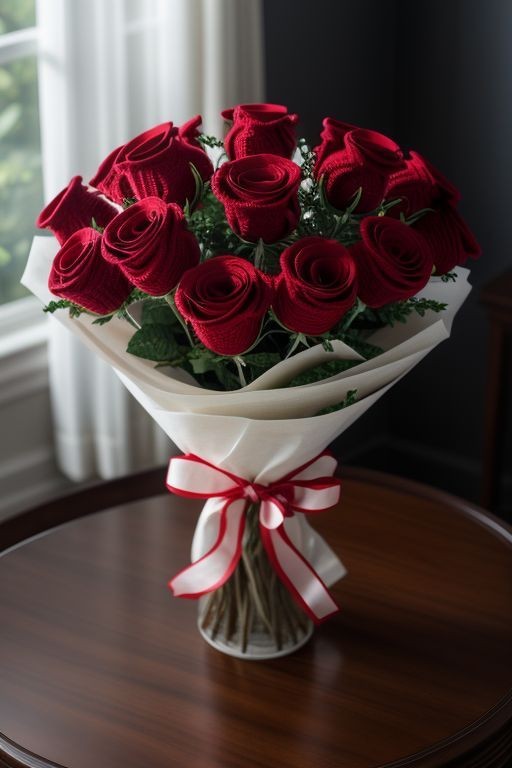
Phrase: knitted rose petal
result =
(150, 243)
(260, 196)
(156, 164)
(259, 129)
(74, 208)
(449, 238)
(80, 274)
(393, 262)
(316, 287)
(225, 300)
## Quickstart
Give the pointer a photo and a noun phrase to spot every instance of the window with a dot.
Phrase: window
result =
(21, 189)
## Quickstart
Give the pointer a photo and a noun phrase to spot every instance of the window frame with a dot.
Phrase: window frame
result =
(18, 44)
(22, 324)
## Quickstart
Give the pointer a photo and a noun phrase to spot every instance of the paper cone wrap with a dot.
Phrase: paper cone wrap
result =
(265, 430)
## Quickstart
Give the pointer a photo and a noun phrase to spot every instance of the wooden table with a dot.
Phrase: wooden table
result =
(100, 667)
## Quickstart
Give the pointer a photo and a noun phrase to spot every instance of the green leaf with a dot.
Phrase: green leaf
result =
(350, 399)
(199, 186)
(355, 201)
(74, 309)
(418, 215)
(353, 339)
(202, 364)
(154, 342)
(262, 359)
(103, 319)
(209, 141)
(157, 312)
(323, 371)
(399, 311)
(203, 360)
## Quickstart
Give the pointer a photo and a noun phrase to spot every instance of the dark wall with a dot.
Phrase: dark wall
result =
(332, 58)
(436, 76)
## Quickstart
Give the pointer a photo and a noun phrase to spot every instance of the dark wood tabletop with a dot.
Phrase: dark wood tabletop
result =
(100, 667)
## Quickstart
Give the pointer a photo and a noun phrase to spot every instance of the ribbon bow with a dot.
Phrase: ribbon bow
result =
(310, 488)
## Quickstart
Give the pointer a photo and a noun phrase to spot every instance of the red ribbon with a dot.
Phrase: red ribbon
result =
(308, 489)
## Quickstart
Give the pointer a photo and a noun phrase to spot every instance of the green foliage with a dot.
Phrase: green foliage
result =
(74, 310)
(159, 312)
(16, 14)
(398, 312)
(209, 141)
(200, 187)
(318, 216)
(261, 361)
(323, 371)
(208, 223)
(350, 399)
(156, 341)
(353, 339)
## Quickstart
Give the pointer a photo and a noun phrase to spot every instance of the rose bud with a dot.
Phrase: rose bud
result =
(316, 287)
(363, 159)
(150, 243)
(80, 274)
(393, 261)
(259, 195)
(156, 164)
(449, 238)
(225, 300)
(259, 129)
(420, 185)
(74, 208)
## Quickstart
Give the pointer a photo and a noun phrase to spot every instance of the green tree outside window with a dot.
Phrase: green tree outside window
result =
(21, 191)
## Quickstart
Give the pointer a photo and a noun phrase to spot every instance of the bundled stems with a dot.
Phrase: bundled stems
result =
(253, 601)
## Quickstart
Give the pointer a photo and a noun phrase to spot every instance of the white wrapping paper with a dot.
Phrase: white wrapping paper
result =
(265, 430)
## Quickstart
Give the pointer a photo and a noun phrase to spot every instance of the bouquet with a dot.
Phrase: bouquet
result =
(256, 295)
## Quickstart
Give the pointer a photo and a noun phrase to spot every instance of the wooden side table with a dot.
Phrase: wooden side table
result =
(100, 667)
(497, 298)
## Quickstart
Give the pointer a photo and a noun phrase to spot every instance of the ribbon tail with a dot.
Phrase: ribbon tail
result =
(298, 575)
(215, 567)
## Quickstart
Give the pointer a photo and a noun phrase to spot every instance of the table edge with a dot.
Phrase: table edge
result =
(25, 526)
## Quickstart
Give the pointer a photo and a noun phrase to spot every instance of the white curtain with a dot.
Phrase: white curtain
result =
(109, 70)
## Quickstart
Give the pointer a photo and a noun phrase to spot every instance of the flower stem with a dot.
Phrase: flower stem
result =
(253, 602)
(170, 300)
(239, 363)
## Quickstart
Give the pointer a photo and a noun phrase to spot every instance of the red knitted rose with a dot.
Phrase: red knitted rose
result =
(351, 158)
(259, 194)
(316, 287)
(332, 136)
(73, 208)
(393, 261)
(449, 238)
(420, 185)
(260, 128)
(156, 164)
(225, 300)
(151, 244)
(80, 274)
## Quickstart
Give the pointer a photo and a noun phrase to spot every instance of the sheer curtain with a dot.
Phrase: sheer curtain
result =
(108, 71)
